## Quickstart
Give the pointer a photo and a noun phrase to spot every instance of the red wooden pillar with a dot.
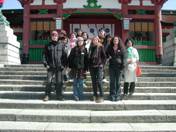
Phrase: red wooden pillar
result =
(158, 32)
(59, 12)
(124, 11)
(158, 29)
(26, 27)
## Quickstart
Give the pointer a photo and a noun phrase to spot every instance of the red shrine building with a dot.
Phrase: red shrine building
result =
(140, 20)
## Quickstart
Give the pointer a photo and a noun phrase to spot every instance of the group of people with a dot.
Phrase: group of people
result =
(82, 54)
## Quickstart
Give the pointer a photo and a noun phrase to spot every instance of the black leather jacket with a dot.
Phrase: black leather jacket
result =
(116, 58)
(55, 55)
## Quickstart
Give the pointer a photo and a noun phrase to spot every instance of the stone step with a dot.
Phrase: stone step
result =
(151, 74)
(158, 74)
(157, 67)
(9, 126)
(41, 88)
(25, 65)
(89, 105)
(142, 66)
(87, 95)
(89, 83)
(22, 90)
(88, 116)
(156, 79)
(21, 82)
(25, 77)
(44, 77)
(42, 69)
(138, 84)
(23, 73)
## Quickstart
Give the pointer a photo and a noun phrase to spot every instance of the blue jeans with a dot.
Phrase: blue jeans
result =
(78, 88)
(115, 78)
(97, 77)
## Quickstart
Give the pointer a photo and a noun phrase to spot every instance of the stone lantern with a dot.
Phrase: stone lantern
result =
(9, 46)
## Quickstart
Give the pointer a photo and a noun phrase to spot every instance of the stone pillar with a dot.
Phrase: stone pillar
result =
(9, 46)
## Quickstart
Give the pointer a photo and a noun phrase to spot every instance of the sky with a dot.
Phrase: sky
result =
(14, 4)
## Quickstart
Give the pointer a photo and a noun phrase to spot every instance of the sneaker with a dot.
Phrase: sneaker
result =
(99, 100)
(70, 80)
(46, 98)
(76, 98)
(60, 98)
(125, 96)
(84, 85)
(105, 81)
(93, 98)
(131, 93)
(112, 99)
(118, 99)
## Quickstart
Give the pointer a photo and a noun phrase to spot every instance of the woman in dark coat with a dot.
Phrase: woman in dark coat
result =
(97, 60)
(78, 62)
(116, 55)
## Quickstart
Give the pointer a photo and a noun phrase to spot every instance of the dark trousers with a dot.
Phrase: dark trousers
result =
(58, 82)
(97, 77)
(115, 78)
(127, 89)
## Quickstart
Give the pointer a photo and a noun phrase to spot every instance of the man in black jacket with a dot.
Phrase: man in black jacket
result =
(54, 59)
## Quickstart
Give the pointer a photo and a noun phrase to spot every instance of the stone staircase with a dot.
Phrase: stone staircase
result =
(152, 108)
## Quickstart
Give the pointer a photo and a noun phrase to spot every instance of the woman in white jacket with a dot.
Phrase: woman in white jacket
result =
(130, 68)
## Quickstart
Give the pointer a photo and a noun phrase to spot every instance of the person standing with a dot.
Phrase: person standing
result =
(79, 33)
(103, 40)
(97, 60)
(130, 68)
(116, 55)
(72, 40)
(87, 41)
(78, 62)
(54, 59)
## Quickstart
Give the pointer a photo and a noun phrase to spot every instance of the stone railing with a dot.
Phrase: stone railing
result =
(169, 49)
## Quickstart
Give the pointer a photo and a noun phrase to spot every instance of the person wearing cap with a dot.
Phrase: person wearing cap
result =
(54, 59)
(62, 34)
